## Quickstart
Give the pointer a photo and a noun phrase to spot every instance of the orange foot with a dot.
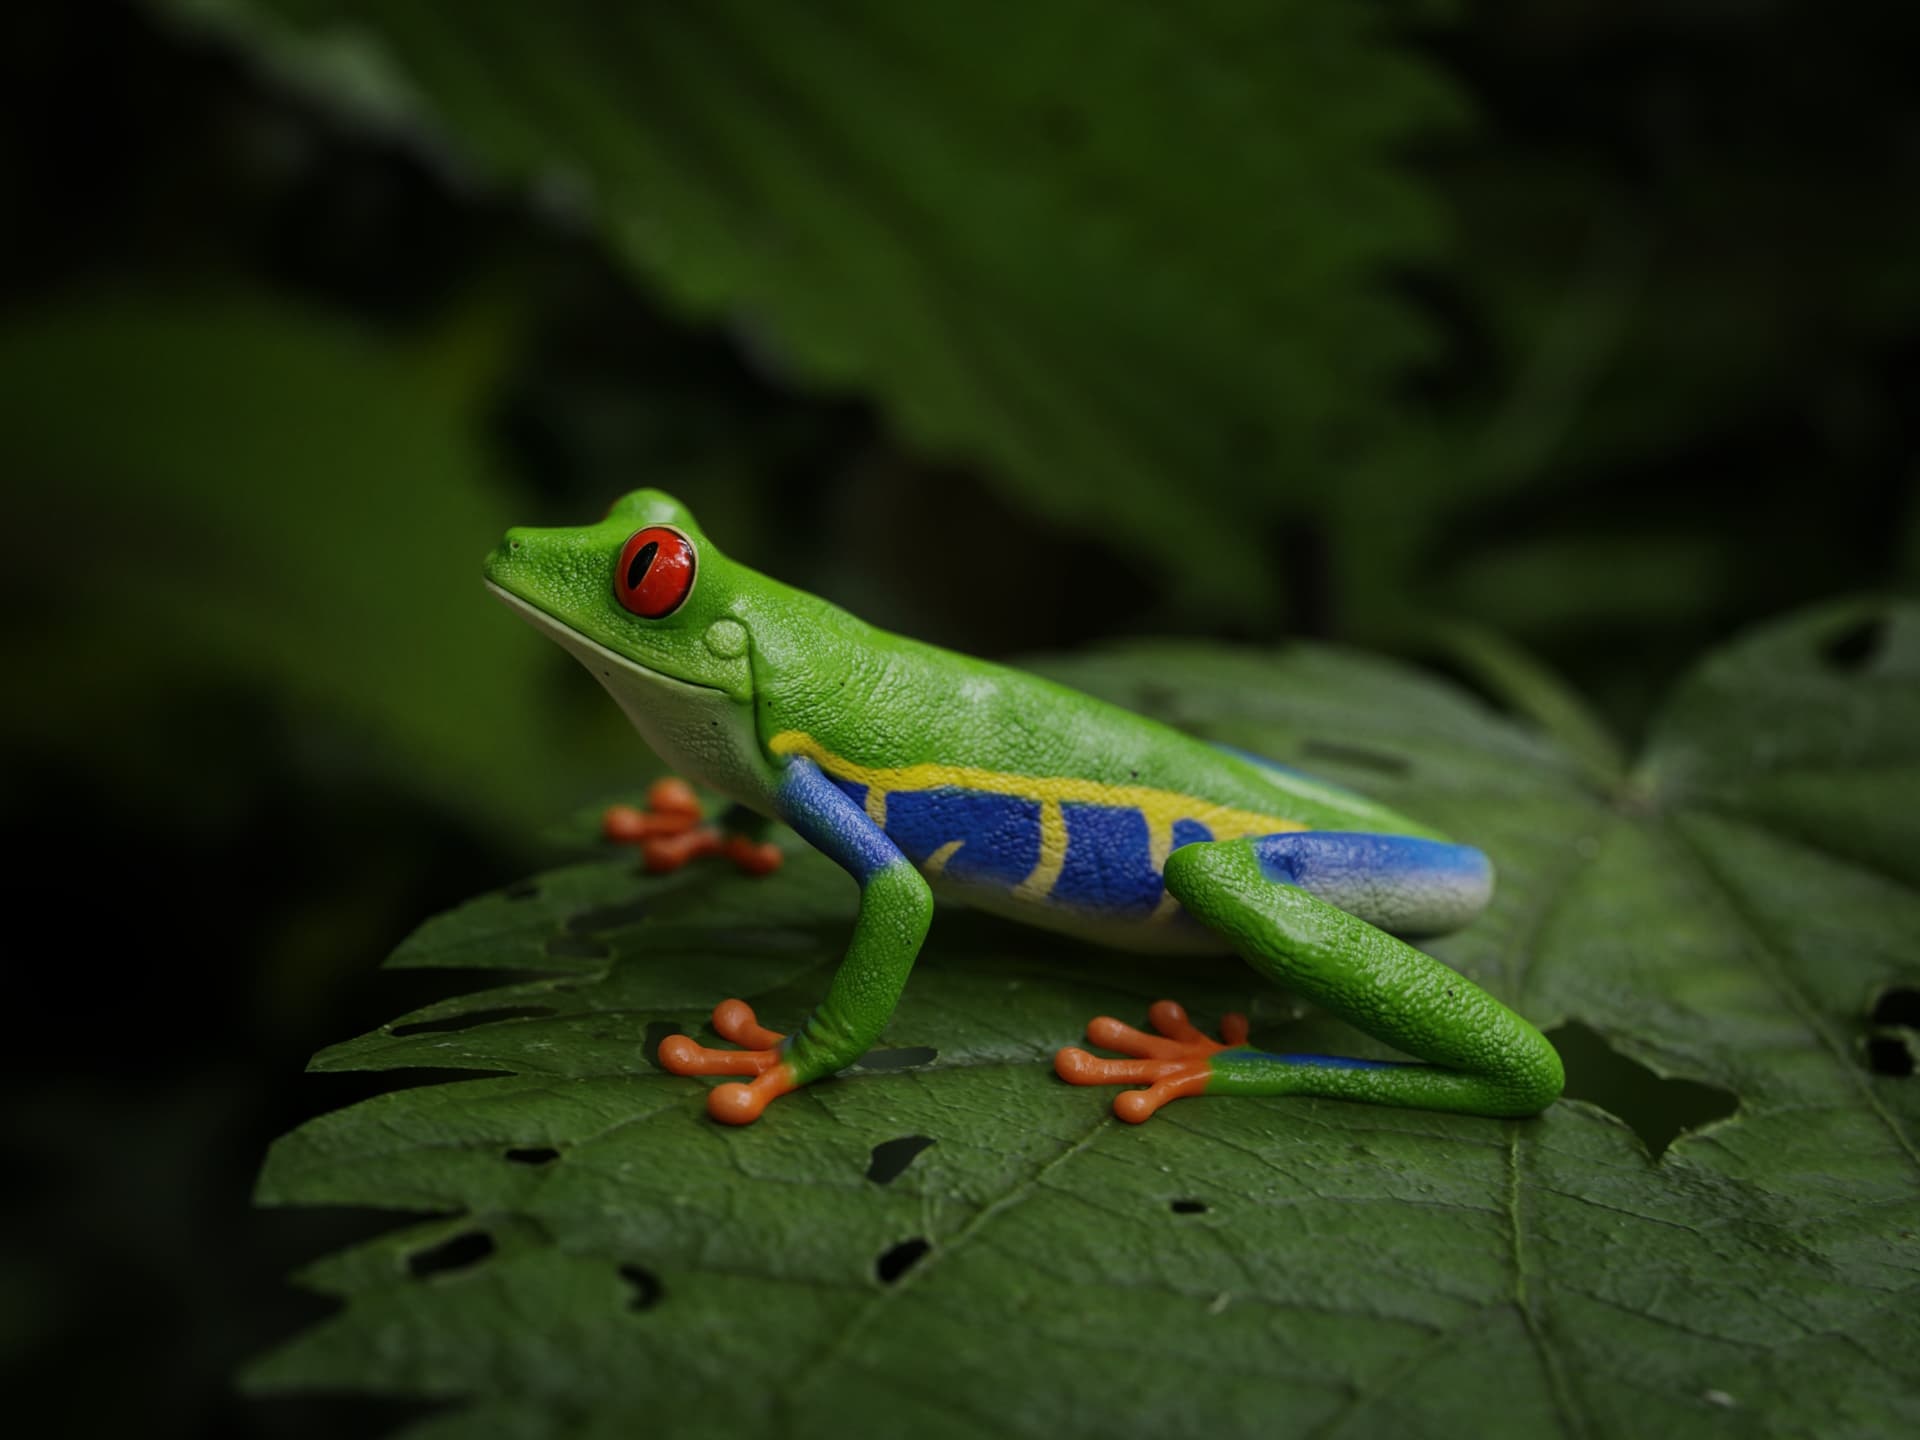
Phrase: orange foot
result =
(734, 1104)
(668, 833)
(1176, 1063)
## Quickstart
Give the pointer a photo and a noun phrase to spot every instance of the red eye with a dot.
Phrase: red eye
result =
(655, 572)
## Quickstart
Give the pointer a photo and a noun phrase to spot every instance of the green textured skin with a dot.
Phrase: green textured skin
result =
(896, 909)
(745, 659)
(1485, 1060)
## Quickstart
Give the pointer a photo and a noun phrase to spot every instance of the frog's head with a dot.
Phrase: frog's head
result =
(641, 595)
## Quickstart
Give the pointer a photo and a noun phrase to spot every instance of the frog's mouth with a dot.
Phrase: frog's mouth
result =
(608, 666)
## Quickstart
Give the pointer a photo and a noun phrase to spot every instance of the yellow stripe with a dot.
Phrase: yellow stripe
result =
(936, 863)
(1159, 807)
(1053, 854)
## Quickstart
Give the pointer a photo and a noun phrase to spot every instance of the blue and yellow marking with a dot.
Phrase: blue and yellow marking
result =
(1058, 840)
(825, 817)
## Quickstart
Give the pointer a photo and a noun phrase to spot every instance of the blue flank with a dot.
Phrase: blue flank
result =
(1399, 881)
(1189, 832)
(832, 823)
(1109, 863)
(852, 789)
(1000, 834)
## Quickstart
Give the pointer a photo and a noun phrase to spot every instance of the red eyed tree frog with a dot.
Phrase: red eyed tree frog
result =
(922, 771)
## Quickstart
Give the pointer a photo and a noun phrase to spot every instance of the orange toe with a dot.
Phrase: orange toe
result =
(1076, 1066)
(673, 796)
(1174, 1064)
(736, 1021)
(752, 857)
(737, 1104)
(1111, 1034)
(669, 833)
(1135, 1106)
(734, 1103)
(685, 1056)
(1169, 1017)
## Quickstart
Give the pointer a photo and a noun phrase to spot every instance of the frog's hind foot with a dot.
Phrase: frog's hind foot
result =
(734, 1103)
(1176, 1063)
(668, 833)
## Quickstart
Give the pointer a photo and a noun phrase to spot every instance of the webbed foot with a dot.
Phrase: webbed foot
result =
(734, 1103)
(668, 833)
(1176, 1063)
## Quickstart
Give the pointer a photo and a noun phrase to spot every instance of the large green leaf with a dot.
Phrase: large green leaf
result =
(601, 1259)
(1107, 253)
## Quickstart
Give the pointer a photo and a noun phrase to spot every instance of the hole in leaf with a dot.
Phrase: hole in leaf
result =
(1890, 1055)
(890, 1157)
(471, 1018)
(1856, 647)
(900, 1259)
(533, 1155)
(1189, 1207)
(574, 947)
(1659, 1111)
(1358, 756)
(608, 917)
(645, 1284)
(904, 1058)
(462, 1252)
(1898, 1006)
(657, 1030)
(521, 890)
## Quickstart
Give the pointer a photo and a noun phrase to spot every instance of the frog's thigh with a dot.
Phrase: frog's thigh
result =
(1482, 1057)
(1400, 883)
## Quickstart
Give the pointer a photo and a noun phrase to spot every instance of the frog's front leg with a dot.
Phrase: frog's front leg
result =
(1265, 896)
(896, 908)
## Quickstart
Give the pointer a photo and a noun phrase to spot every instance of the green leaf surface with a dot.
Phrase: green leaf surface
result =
(1103, 253)
(596, 1258)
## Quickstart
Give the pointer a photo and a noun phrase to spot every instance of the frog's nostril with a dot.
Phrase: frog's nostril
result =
(513, 545)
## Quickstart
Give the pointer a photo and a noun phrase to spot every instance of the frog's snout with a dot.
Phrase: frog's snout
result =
(502, 559)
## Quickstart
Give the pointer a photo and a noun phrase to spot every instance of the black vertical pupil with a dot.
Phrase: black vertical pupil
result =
(642, 558)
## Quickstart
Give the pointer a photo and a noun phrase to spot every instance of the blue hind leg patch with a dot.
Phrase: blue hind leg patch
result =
(1401, 883)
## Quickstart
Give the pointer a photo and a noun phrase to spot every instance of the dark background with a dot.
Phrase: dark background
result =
(267, 375)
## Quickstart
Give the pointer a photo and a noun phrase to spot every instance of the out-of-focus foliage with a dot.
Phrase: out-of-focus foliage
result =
(257, 491)
(1107, 253)
(1587, 326)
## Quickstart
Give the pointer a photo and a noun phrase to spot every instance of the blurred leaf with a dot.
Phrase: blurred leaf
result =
(1532, 690)
(232, 492)
(1575, 578)
(604, 1261)
(1686, 268)
(1113, 255)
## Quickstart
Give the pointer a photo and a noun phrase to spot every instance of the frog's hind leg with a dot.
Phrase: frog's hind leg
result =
(1269, 898)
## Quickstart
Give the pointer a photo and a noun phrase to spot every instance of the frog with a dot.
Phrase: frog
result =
(925, 773)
